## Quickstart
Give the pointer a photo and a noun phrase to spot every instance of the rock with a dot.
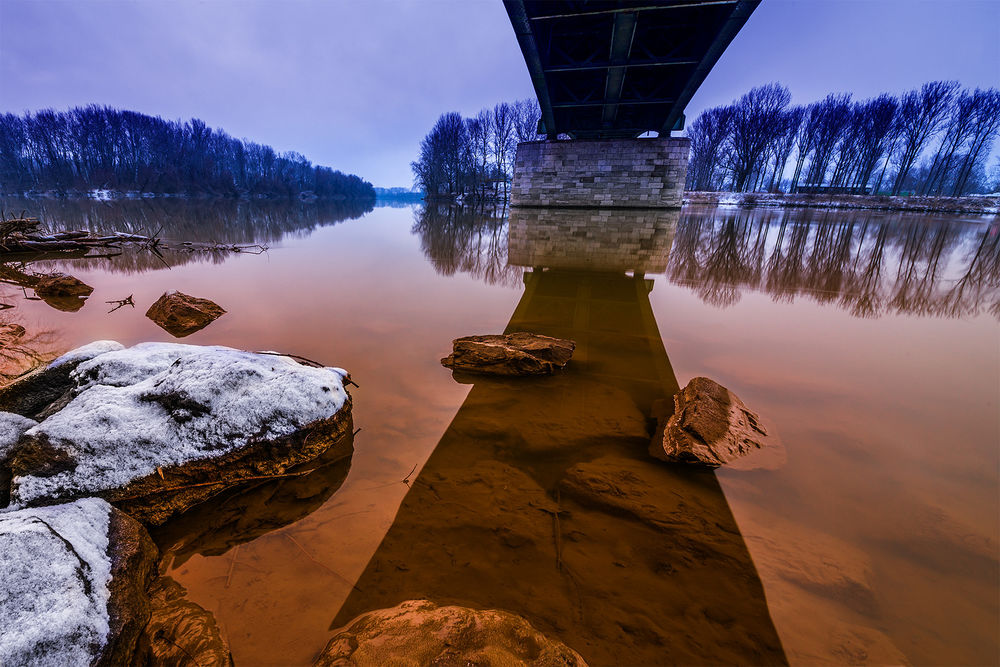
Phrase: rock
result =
(159, 427)
(12, 426)
(819, 587)
(180, 632)
(62, 292)
(33, 393)
(10, 334)
(74, 579)
(711, 426)
(813, 561)
(510, 354)
(181, 315)
(650, 494)
(419, 632)
(59, 284)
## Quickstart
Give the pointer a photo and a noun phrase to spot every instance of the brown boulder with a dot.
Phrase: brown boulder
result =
(133, 566)
(518, 353)
(180, 632)
(181, 315)
(62, 292)
(419, 632)
(59, 284)
(711, 426)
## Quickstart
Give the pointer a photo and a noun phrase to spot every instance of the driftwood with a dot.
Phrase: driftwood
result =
(119, 303)
(20, 235)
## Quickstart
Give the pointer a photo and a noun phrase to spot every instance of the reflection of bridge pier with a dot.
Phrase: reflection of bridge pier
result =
(540, 499)
(580, 289)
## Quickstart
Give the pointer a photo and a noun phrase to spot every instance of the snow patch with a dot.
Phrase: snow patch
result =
(164, 404)
(87, 352)
(11, 428)
(54, 574)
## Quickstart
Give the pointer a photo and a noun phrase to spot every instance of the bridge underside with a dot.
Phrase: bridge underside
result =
(620, 68)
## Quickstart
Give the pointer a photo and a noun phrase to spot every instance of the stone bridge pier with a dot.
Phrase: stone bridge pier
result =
(601, 173)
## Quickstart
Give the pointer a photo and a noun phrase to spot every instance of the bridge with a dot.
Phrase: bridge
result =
(612, 70)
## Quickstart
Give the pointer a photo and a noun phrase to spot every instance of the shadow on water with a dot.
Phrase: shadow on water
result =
(540, 498)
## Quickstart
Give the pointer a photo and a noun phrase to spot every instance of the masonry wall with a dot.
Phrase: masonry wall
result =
(627, 173)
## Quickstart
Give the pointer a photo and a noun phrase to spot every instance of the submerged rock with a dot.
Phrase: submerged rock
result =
(181, 314)
(74, 581)
(711, 426)
(159, 427)
(518, 353)
(59, 284)
(419, 632)
(180, 632)
(62, 292)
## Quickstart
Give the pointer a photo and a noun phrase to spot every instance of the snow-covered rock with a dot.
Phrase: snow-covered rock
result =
(72, 584)
(158, 427)
(36, 391)
(12, 427)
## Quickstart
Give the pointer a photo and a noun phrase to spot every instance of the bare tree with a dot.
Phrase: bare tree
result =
(755, 120)
(987, 126)
(791, 120)
(959, 127)
(527, 113)
(502, 136)
(707, 133)
(877, 119)
(829, 119)
(921, 113)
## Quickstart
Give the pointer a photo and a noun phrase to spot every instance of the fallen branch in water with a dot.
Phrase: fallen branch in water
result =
(120, 303)
(18, 236)
(406, 480)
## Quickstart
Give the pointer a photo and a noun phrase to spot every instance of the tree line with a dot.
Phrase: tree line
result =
(472, 159)
(99, 147)
(933, 140)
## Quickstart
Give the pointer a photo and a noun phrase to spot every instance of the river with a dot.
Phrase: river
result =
(869, 342)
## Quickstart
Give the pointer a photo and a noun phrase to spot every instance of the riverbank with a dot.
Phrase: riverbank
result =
(979, 204)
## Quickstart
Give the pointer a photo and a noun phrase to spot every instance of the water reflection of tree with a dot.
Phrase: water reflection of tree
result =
(22, 350)
(868, 264)
(467, 240)
(224, 221)
(198, 220)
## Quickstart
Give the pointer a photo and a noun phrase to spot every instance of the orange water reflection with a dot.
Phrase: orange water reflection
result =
(870, 340)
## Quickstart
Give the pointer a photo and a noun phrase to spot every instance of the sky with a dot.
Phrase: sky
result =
(355, 85)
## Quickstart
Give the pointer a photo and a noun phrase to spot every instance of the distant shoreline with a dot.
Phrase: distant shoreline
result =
(113, 195)
(977, 205)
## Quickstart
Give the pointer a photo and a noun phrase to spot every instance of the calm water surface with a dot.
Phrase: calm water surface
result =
(868, 341)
